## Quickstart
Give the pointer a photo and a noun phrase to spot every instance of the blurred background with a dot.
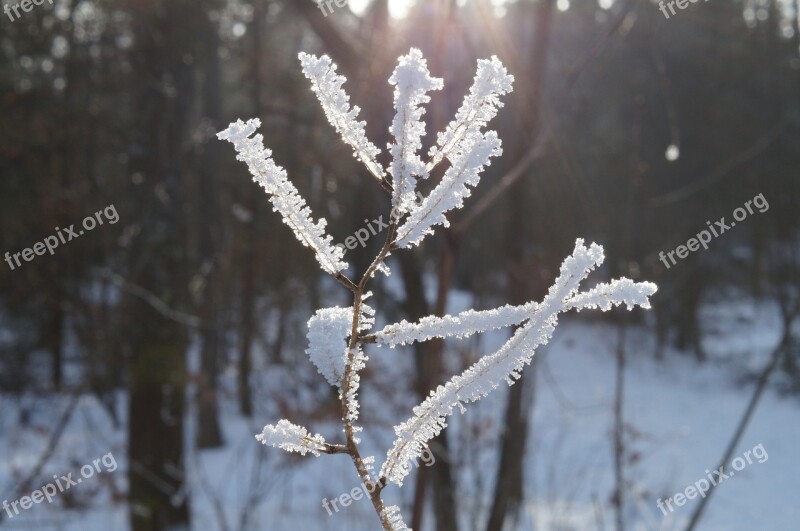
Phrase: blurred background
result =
(171, 336)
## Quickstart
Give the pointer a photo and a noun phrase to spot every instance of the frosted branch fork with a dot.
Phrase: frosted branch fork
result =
(337, 336)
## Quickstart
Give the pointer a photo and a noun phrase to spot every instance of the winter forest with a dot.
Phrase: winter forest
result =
(455, 265)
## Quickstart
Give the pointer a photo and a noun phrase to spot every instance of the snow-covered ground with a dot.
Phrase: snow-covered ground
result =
(679, 416)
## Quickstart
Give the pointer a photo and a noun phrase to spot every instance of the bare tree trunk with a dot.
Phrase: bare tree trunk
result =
(157, 496)
(618, 498)
(247, 329)
(53, 336)
(248, 299)
(428, 363)
(509, 492)
(209, 433)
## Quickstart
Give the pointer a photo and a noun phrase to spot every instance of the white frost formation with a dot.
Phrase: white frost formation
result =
(284, 196)
(292, 438)
(507, 363)
(467, 149)
(412, 82)
(328, 331)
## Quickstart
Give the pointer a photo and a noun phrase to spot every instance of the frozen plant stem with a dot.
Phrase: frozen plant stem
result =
(336, 349)
(356, 342)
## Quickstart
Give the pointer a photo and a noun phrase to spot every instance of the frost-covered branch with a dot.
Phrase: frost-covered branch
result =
(462, 325)
(412, 81)
(507, 363)
(292, 438)
(468, 163)
(354, 361)
(337, 336)
(327, 85)
(284, 196)
(467, 323)
(478, 108)
(391, 514)
(467, 148)
(620, 291)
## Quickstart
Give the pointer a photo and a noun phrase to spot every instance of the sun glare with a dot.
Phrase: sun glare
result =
(397, 8)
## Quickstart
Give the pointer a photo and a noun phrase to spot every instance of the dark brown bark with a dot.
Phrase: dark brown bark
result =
(618, 500)
(248, 299)
(427, 359)
(509, 493)
(157, 384)
(209, 433)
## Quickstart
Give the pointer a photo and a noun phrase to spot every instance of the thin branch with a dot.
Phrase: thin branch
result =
(700, 184)
(334, 449)
(761, 385)
(152, 299)
(351, 447)
(345, 281)
(534, 153)
(50, 449)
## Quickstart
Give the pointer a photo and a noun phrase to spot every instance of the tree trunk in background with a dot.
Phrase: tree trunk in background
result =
(54, 328)
(427, 357)
(209, 434)
(247, 329)
(509, 493)
(618, 497)
(158, 499)
(247, 301)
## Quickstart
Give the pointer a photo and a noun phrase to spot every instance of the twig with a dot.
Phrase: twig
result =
(52, 445)
(351, 447)
(152, 299)
(748, 414)
(697, 185)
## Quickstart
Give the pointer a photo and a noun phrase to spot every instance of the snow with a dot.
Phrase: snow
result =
(683, 414)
